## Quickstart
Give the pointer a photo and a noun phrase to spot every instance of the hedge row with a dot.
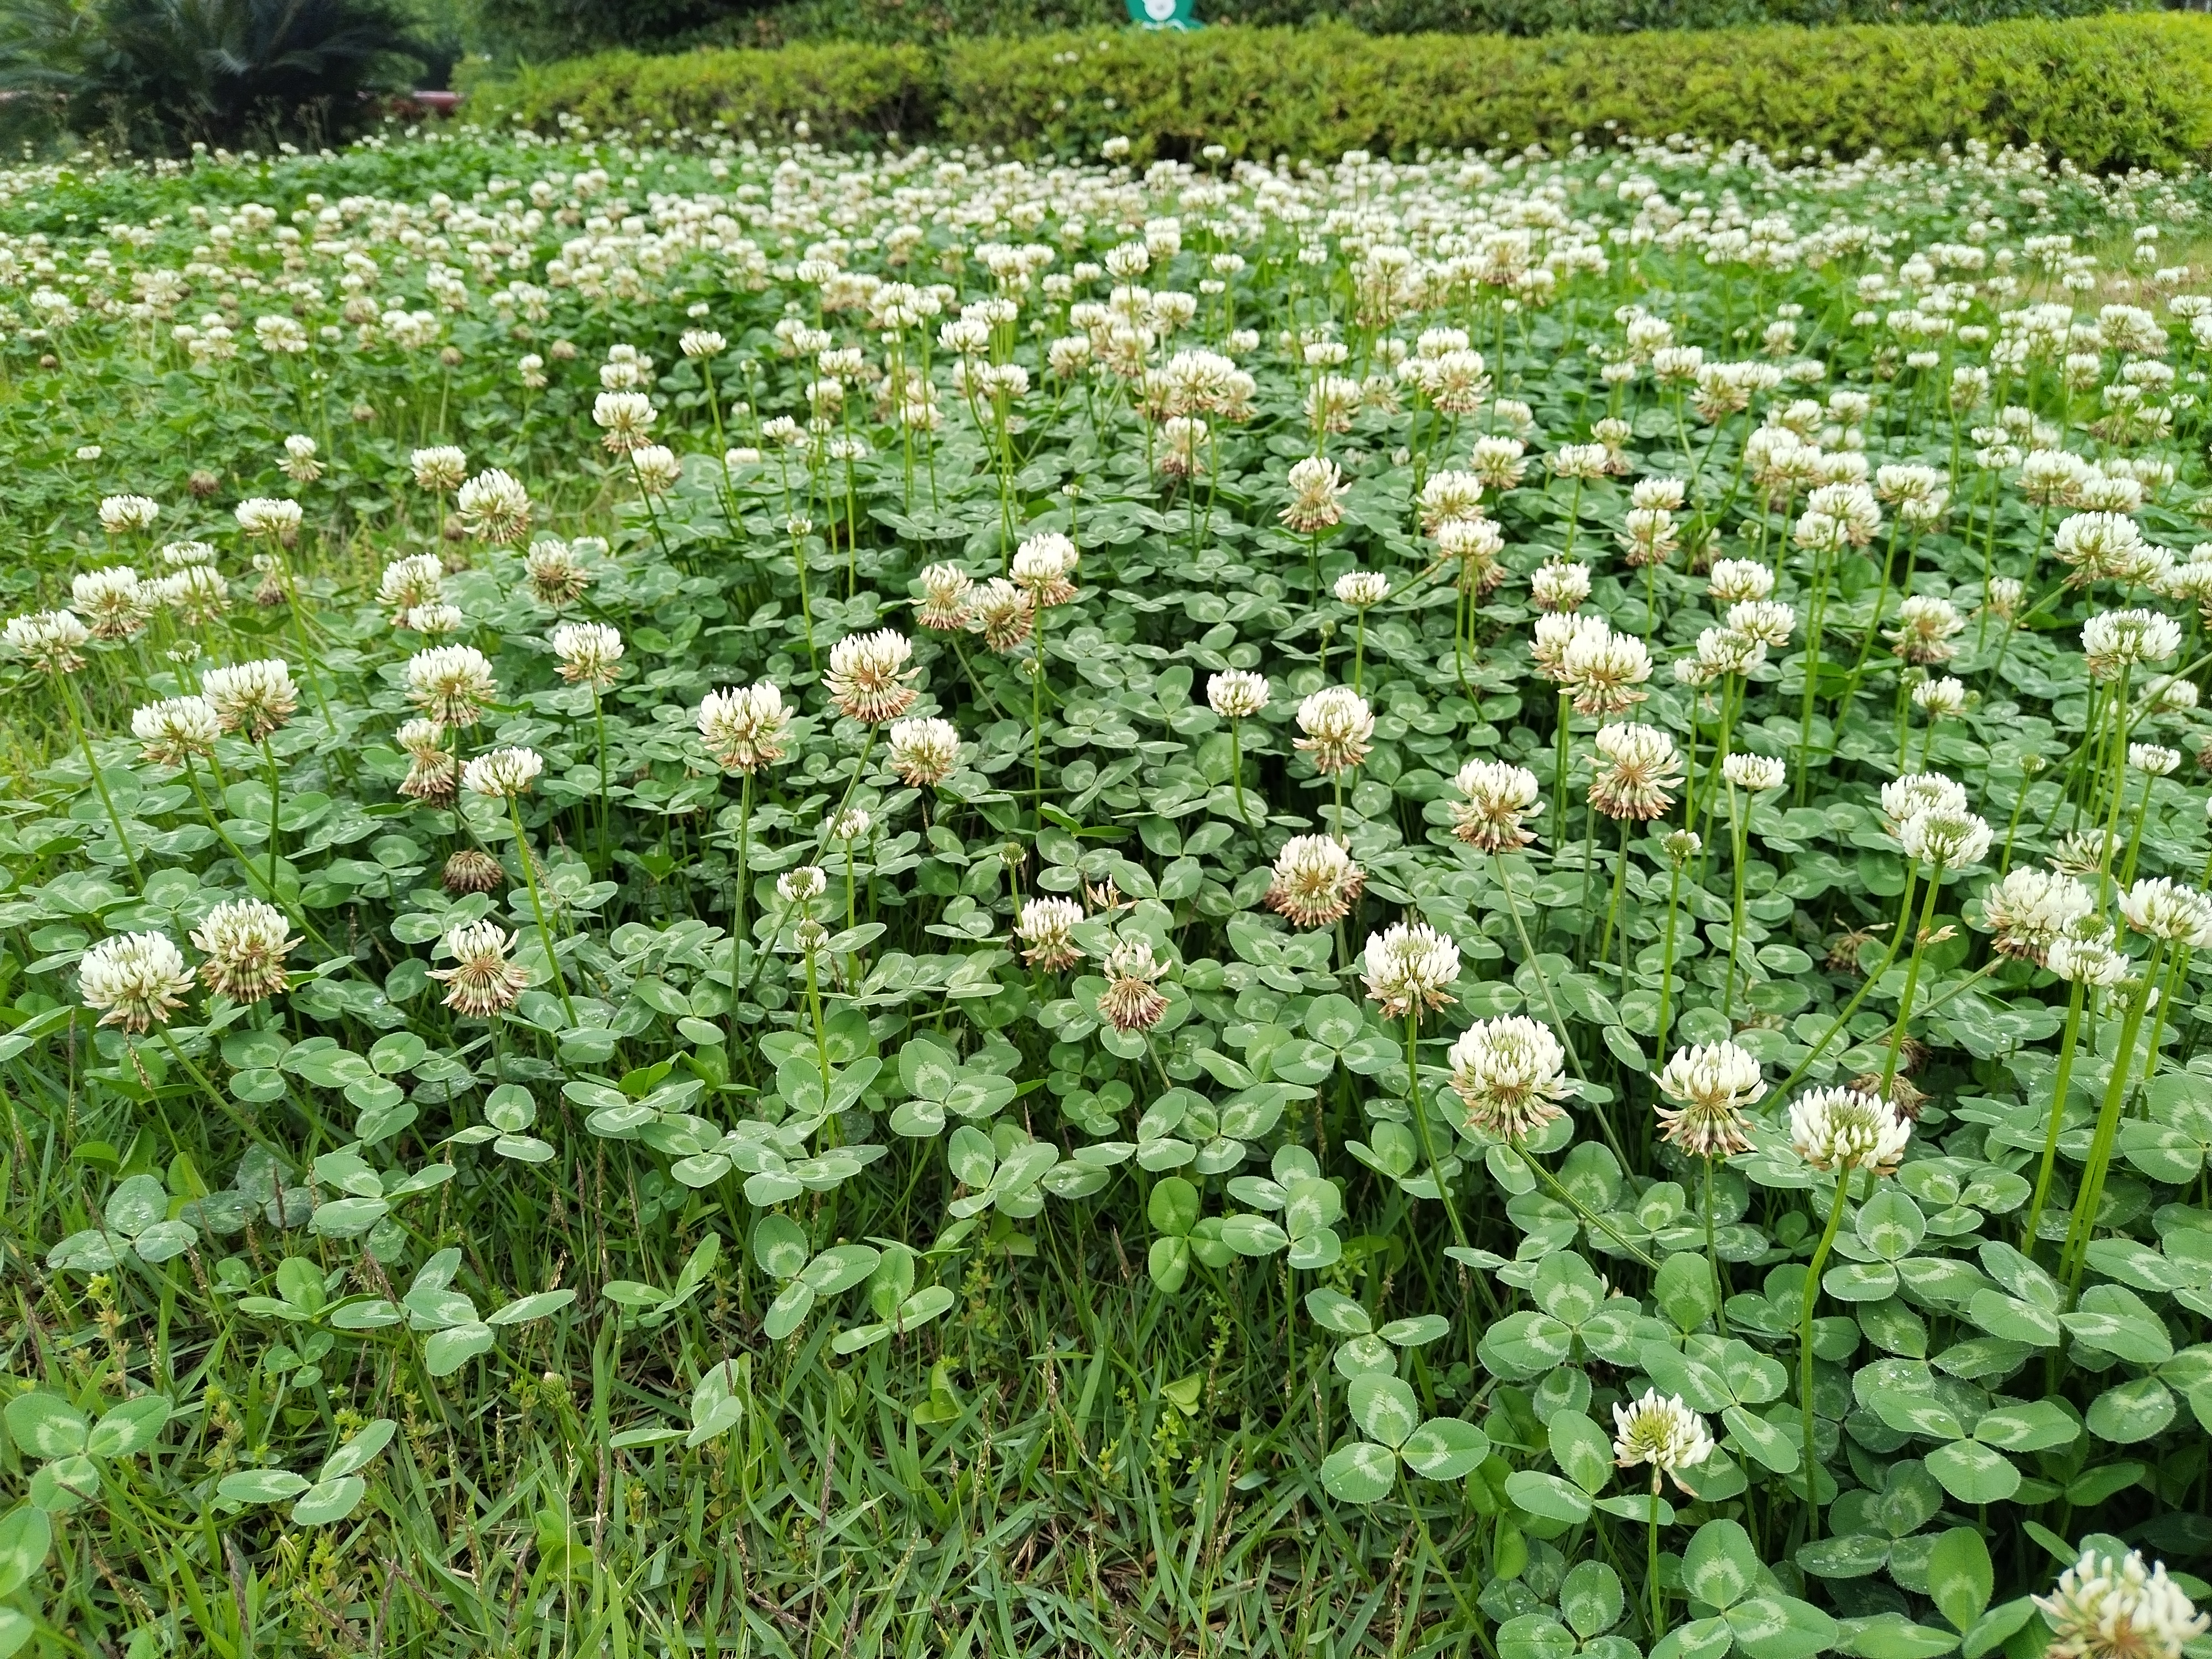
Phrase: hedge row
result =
(928, 21)
(2110, 92)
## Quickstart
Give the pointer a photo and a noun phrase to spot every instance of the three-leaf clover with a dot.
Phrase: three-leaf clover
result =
(1001, 1171)
(45, 1426)
(1184, 1236)
(1365, 1471)
(652, 1304)
(332, 1495)
(1367, 1348)
(718, 1405)
(898, 1306)
(1591, 1601)
(509, 1111)
(937, 1082)
(1310, 1206)
(780, 1249)
(1736, 1604)
(136, 1222)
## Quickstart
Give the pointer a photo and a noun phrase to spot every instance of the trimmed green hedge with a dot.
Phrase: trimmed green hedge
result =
(2126, 90)
(845, 94)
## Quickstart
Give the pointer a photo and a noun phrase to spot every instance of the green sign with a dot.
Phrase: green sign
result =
(1164, 13)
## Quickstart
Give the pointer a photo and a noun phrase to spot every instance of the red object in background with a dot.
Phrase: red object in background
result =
(438, 103)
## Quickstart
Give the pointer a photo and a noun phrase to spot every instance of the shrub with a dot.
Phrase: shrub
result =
(844, 92)
(2107, 93)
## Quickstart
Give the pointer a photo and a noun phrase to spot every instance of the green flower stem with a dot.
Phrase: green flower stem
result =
(2066, 1047)
(1590, 1216)
(1735, 912)
(1651, 1569)
(1559, 778)
(222, 1103)
(1712, 1255)
(99, 783)
(1543, 981)
(1421, 1124)
(2092, 1191)
(814, 1011)
(537, 907)
(599, 724)
(1613, 909)
(1237, 767)
(1812, 1302)
(270, 756)
(1667, 969)
(860, 767)
(1913, 967)
(1889, 958)
(739, 899)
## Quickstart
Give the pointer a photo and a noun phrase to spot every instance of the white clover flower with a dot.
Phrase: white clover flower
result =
(268, 519)
(924, 752)
(1949, 840)
(1831, 1128)
(245, 942)
(253, 699)
(744, 728)
(2104, 1608)
(590, 654)
(850, 825)
(627, 417)
(1661, 1431)
(48, 640)
(1733, 581)
(867, 678)
(495, 506)
(1926, 626)
(702, 342)
(1409, 967)
(300, 464)
(2087, 960)
(2030, 910)
(503, 773)
(1040, 568)
(802, 885)
(112, 601)
(440, 468)
(1756, 773)
(128, 515)
(1710, 1085)
(135, 979)
(1362, 588)
(1132, 1000)
(1942, 699)
(2116, 640)
(2159, 908)
(1237, 693)
(1602, 672)
(197, 592)
(1315, 881)
(452, 683)
(1317, 488)
(656, 468)
(1560, 586)
(1917, 793)
(2154, 758)
(415, 580)
(557, 575)
(943, 603)
(1641, 765)
(1495, 796)
(1508, 1074)
(1046, 928)
(483, 981)
(1339, 728)
(175, 729)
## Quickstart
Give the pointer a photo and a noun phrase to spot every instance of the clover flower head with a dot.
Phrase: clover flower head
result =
(867, 679)
(1711, 1084)
(2030, 910)
(1641, 766)
(943, 603)
(1132, 1000)
(1315, 882)
(245, 942)
(503, 773)
(253, 699)
(441, 468)
(50, 641)
(1661, 1431)
(1834, 1128)
(1508, 1073)
(483, 981)
(1046, 928)
(451, 683)
(924, 752)
(495, 507)
(2104, 1609)
(1237, 693)
(2159, 907)
(176, 729)
(1339, 728)
(1755, 773)
(135, 979)
(1494, 797)
(744, 728)
(590, 654)
(1409, 968)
